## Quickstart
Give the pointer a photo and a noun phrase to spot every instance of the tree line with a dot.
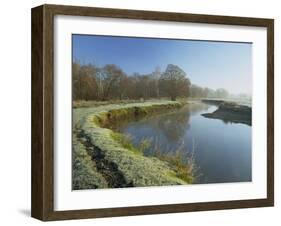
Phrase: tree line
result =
(110, 82)
(204, 92)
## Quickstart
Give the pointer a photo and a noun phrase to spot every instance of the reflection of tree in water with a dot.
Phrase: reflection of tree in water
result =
(225, 121)
(174, 125)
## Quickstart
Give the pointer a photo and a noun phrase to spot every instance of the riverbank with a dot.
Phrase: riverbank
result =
(230, 112)
(100, 160)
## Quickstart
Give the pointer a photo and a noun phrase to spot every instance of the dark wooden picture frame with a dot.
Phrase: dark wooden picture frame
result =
(42, 203)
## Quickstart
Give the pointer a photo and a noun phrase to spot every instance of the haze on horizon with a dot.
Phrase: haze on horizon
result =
(209, 64)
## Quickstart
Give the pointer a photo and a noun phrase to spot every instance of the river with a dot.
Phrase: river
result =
(221, 150)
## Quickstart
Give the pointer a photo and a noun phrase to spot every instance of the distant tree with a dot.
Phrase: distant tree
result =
(111, 82)
(173, 82)
(196, 91)
(210, 92)
(84, 82)
(156, 74)
(136, 90)
(110, 75)
(143, 86)
(120, 87)
(200, 92)
(76, 82)
(131, 86)
(221, 93)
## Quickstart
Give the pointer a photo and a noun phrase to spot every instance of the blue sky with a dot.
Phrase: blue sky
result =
(208, 64)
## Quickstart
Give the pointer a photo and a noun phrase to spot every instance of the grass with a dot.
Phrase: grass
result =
(94, 103)
(125, 141)
(184, 167)
(136, 168)
(85, 174)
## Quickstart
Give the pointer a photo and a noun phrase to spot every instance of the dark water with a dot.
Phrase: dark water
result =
(222, 151)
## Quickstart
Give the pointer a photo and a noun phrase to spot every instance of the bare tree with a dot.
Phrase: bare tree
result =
(110, 76)
(173, 82)
(156, 76)
(110, 82)
(84, 82)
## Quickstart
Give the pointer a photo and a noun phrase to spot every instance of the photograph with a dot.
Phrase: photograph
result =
(160, 112)
(140, 112)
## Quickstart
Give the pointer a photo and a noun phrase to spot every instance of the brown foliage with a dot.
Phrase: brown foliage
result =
(111, 83)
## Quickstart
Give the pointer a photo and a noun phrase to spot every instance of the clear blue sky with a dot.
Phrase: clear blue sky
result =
(208, 64)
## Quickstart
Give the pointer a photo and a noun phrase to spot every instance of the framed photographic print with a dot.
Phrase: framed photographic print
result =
(141, 112)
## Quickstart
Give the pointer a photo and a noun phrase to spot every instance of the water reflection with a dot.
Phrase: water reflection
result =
(222, 149)
(173, 125)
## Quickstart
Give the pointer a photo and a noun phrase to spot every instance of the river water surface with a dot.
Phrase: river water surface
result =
(222, 151)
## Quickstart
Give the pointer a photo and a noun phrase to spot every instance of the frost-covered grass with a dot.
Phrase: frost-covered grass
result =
(184, 167)
(136, 168)
(94, 103)
(85, 174)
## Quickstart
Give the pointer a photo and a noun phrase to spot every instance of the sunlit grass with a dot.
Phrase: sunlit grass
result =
(184, 166)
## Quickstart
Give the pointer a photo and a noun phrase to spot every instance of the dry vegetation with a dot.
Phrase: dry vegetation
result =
(111, 83)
